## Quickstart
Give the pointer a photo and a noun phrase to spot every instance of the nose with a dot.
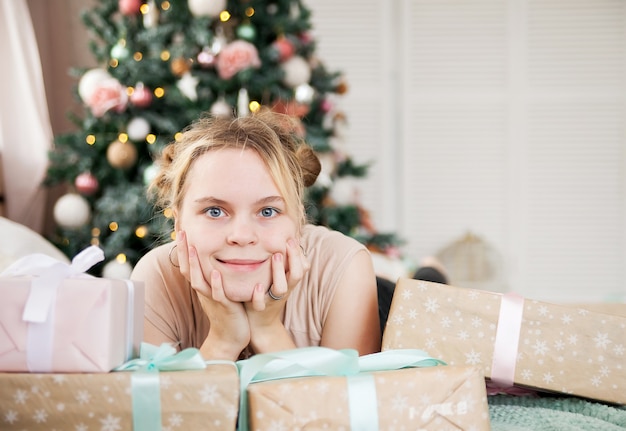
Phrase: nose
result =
(241, 231)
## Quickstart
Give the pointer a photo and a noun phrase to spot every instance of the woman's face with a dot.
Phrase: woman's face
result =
(235, 217)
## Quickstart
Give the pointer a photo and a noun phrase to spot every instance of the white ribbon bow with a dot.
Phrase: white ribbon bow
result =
(39, 309)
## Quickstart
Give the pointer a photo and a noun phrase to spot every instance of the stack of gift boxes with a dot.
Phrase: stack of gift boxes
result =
(71, 357)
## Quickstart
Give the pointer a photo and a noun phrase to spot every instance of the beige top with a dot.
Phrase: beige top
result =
(173, 308)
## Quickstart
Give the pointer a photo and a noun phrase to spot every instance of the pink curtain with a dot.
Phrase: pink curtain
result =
(25, 131)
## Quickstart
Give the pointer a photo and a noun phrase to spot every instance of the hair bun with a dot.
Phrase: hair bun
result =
(310, 164)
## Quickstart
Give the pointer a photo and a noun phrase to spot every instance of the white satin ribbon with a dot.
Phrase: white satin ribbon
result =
(39, 310)
(507, 340)
(130, 319)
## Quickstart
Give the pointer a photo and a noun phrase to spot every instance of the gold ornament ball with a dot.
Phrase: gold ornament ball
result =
(180, 66)
(121, 155)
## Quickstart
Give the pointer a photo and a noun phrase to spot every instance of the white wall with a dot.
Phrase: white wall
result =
(504, 119)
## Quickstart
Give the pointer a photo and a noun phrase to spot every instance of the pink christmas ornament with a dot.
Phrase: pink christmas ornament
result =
(108, 95)
(141, 97)
(206, 58)
(129, 7)
(235, 57)
(326, 106)
(86, 184)
(284, 47)
(90, 81)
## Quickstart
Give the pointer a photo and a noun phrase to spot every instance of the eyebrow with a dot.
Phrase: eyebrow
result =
(215, 201)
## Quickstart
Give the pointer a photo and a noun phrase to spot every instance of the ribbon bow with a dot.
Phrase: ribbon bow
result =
(50, 272)
(38, 312)
(164, 358)
(145, 387)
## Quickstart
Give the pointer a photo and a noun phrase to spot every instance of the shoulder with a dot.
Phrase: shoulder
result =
(321, 238)
(154, 258)
(156, 265)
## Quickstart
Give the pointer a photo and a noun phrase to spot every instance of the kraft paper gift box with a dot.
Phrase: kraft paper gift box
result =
(189, 400)
(441, 398)
(317, 388)
(55, 318)
(516, 341)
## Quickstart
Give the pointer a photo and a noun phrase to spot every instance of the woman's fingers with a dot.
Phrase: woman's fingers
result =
(217, 287)
(258, 298)
(298, 263)
(182, 253)
(280, 284)
(196, 277)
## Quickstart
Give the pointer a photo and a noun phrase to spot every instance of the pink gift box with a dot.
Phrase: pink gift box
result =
(93, 325)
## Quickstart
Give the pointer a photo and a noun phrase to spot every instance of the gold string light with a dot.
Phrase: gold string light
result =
(151, 138)
(121, 258)
(113, 226)
(165, 55)
(159, 92)
(95, 233)
(138, 56)
(224, 16)
(141, 231)
(90, 139)
(254, 106)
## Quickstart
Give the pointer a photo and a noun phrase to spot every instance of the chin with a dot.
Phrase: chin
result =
(239, 290)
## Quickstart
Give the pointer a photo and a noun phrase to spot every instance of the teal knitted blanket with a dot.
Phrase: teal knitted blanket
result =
(511, 413)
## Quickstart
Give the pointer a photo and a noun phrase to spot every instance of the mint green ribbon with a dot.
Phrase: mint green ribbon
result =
(322, 361)
(145, 387)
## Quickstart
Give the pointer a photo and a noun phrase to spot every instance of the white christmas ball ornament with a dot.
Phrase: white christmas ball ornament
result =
(138, 128)
(221, 109)
(211, 8)
(345, 191)
(71, 211)
(150, 173)
(117, 270)
(296, 71)
(90, 81)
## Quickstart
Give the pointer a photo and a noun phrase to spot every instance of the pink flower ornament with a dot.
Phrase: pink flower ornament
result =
(235, 57)
(108, 95)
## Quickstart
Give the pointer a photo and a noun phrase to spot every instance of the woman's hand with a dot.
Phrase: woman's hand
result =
(267, 331)
(229, 331)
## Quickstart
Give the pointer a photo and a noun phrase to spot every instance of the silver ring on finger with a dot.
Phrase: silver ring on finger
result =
(274, 297)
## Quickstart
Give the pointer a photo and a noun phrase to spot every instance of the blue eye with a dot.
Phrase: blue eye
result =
(214, 212)
(269, 212)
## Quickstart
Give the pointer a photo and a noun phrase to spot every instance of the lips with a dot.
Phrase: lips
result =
(242, 265)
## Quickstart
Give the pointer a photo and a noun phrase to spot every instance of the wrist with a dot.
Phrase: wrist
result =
(271, 338)
(217, 348)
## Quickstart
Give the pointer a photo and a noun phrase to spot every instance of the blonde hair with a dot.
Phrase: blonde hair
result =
(292, 164)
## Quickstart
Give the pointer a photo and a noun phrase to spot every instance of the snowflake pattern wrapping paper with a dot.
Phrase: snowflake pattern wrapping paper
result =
(94, 325)
(563, 349)
(190, 400)
(439, 398)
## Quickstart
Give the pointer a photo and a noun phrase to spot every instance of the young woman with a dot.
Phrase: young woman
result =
(246, 273)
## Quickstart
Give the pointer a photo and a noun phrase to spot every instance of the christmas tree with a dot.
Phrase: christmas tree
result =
(161, 66)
